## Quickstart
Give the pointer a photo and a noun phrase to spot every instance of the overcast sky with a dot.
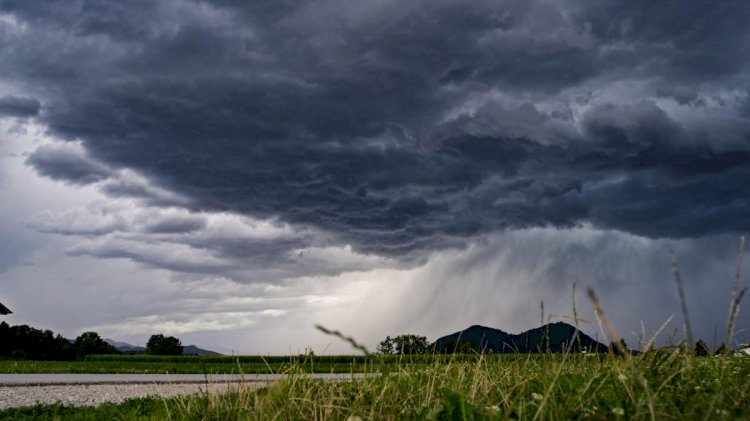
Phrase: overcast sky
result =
(233, 173)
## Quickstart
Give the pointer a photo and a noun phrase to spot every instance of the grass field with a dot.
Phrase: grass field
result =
(660, 385)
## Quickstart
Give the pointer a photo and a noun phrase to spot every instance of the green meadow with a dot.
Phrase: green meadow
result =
(658, 385)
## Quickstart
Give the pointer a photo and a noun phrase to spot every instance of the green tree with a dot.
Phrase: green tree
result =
(89, 343)
(386, 346)
(163, 345)
(410, 344)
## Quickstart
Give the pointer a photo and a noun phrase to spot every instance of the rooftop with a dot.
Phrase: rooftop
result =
(4, 310)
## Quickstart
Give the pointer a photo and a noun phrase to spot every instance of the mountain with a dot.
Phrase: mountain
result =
(479, 337)
(552, 337)
(127, 348)
(557, 337)
(194, 350)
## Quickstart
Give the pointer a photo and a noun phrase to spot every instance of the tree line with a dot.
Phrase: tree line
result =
(415, 344)
(26, 342)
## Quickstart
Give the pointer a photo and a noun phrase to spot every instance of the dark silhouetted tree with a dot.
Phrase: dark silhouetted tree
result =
(701, 350)
(722, 350)
(163, 345)
(26, 342)
(618, 349)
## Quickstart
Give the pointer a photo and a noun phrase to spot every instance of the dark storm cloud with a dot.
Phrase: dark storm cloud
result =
(18, 107)
(681, 94)
(694, 42)
(400, 127)
(67, 163)
(744, 108)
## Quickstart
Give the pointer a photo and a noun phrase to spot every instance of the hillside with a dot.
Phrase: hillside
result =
(555, 337)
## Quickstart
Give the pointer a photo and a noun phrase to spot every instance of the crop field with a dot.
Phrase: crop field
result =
(150, 364)
(179, 365)
(657, 385)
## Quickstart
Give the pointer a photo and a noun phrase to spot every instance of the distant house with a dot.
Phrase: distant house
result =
(4, 310)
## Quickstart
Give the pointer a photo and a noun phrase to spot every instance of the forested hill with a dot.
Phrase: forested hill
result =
(552, 337)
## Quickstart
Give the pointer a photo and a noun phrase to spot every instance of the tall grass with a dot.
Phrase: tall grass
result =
(658, 385)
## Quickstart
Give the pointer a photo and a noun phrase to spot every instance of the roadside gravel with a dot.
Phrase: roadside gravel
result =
(96, 394)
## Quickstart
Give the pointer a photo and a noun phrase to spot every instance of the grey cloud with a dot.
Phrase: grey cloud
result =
(698, 207)
(173, 257)
(245, 260)
(15, 249)
(78, 222)
(19, 107)
(697, 41)
(127, 185)
(744, 107)
(376, 122)
(176, 225)
(682, 94)
(199, 244)
(631, 128)
(68, 163)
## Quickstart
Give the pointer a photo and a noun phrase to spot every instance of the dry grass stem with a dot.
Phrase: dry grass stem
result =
(345, 338)
(650, 343)
(737, 294)
(734, 312)
(683, 300)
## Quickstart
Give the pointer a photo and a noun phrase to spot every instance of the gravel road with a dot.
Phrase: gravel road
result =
(96, 394)
(94, 389)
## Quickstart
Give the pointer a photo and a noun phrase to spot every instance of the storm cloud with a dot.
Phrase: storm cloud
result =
(399, 127)
(268, 140)
(18, 107)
